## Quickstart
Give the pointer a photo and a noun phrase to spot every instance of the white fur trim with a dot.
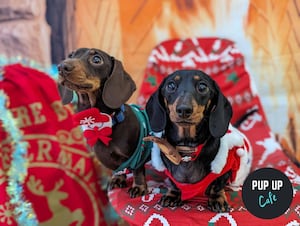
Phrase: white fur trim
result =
(221, 158)
(241, 152)
(244, 169)
(227, 142)
(156, 160)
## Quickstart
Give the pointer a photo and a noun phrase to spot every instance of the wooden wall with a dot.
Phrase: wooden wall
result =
(24, 32)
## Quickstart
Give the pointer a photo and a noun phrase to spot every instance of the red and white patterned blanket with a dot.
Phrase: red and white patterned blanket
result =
(225, 63)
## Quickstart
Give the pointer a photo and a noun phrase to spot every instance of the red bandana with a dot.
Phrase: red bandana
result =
(194, 155)
(96, 125)
(188, 191)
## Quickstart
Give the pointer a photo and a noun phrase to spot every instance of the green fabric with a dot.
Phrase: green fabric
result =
(143, 150)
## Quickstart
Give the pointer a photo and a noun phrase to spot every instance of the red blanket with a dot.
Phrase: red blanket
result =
(223, 61)
(61, 182)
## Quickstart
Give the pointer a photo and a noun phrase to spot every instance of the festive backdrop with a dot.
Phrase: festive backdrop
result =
(266, 32)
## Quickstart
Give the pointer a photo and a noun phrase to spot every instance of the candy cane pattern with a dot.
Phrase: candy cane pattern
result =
(161, 218)
(220, 215)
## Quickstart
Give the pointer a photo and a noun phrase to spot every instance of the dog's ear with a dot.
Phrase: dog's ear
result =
(220, 115)
(156, 111)
(65, 94)
(118, 88)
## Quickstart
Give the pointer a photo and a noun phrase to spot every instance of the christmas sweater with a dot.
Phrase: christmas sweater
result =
(234, 154)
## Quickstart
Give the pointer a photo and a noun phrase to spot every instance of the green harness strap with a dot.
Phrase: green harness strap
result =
(143, 150)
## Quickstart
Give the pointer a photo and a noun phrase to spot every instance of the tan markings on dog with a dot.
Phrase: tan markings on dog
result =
(208, 104)
(95, 83)
(79, 77)
(217, 197)
(177, 78)
(172, 109)
(197, 77)
(198, 112)
(195, 118)
(180, 130)
(190, 131)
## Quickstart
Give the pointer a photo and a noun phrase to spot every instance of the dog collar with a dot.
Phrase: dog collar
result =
(118, 117)
(190, 154)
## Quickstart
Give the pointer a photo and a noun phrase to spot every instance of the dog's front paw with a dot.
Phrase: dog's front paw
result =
(137, 190)
(218, 204)
(117, 181)
(171, 199)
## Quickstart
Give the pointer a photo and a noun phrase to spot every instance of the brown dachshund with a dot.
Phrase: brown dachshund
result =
(200, 151)
(100, 82)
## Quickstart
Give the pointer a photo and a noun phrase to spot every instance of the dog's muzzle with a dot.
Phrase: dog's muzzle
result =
(184, 111)
(65, 69)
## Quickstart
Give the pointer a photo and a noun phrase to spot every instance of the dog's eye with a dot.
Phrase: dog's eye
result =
(202, 88)
(171, 87)
(96, 59)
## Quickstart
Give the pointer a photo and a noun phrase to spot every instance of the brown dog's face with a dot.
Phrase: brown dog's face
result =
(96, 78)
(84, 69)
(187, 96)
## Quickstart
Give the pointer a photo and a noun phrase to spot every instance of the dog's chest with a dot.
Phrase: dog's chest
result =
(188, 172)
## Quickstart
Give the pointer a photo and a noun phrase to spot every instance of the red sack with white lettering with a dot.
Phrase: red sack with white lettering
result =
(61, 183)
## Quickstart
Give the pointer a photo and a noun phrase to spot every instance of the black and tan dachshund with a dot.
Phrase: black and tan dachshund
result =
(101, 82)
(194, 116)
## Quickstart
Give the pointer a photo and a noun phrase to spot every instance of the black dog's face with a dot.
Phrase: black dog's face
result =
(187, 96)
(84, 69)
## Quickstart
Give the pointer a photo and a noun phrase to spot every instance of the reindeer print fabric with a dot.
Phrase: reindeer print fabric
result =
(61, 183)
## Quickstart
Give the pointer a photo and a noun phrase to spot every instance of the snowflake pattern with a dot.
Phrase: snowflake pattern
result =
(271, 146)
(6, 214)
(87, 121)
(130, 210)
(144, 208)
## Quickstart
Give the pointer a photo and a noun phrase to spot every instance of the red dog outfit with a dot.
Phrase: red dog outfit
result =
(235, 154)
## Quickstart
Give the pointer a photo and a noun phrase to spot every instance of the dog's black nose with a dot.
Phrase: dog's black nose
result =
(184, 111)
(65, 67)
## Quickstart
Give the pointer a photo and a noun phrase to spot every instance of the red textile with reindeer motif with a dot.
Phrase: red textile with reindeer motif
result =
(61, 183)
(221, 59)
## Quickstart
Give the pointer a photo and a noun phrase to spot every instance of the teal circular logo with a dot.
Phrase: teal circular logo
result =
(267, 193)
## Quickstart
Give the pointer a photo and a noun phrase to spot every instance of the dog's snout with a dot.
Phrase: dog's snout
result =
(184, 111)
(65, 67)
